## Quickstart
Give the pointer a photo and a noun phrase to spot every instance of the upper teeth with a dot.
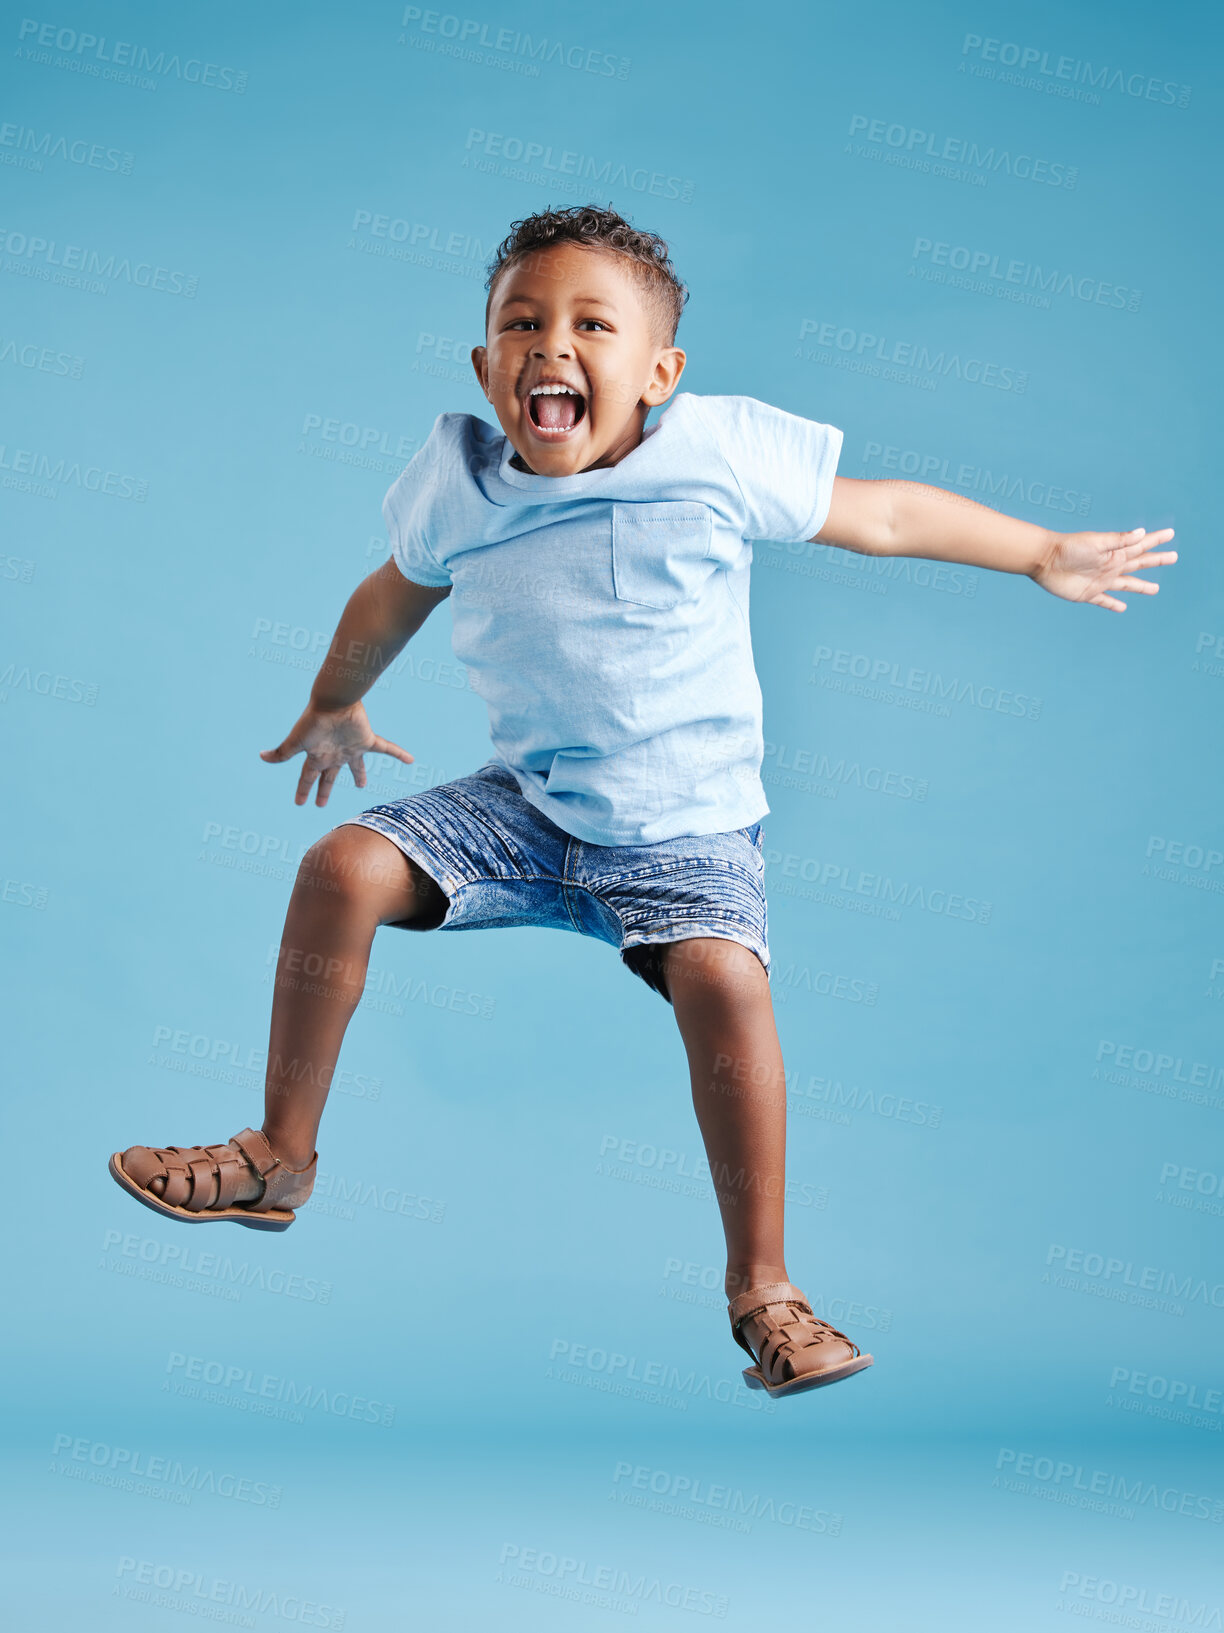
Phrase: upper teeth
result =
(553, 391)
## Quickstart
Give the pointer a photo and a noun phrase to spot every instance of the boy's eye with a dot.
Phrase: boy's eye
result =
(583, 323)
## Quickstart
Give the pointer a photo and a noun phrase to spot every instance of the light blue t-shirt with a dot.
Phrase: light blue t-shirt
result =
(603, 617)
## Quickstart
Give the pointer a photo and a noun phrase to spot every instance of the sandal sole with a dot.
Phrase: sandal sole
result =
(755, 1379)
(273, 1219)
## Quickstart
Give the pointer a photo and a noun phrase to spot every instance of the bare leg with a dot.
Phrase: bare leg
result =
(349, 883)
(720, 993)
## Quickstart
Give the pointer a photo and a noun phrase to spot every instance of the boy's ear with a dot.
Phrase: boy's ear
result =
(480, 362)
(669, 366)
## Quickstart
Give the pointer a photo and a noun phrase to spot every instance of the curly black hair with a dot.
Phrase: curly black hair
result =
(590, 227)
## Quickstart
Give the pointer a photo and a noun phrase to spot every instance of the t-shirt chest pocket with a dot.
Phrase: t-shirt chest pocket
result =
(660, 552)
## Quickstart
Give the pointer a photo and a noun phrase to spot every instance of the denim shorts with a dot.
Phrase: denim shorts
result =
(501, 862)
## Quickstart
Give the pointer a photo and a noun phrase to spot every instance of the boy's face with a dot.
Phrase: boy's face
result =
(580, 319)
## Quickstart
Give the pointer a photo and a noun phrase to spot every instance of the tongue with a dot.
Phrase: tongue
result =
(556, 413)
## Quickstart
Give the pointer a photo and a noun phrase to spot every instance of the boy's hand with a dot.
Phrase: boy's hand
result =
(1086, 566)
(331, 739)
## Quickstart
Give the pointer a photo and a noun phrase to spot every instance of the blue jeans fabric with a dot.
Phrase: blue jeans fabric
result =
(501, 863)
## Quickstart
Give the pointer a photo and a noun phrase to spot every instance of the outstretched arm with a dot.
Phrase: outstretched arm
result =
(888, 518)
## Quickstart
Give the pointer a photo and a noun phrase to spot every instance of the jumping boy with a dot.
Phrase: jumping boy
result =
(598, 574)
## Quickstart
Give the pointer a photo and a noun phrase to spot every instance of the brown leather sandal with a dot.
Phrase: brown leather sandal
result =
(200, 1183)
(792, 1349)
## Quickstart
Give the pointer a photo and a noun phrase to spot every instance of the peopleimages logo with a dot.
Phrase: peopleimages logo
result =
(469, 32)
(885, 675)
(43, 682)
(924, 467)
(1119, 1274)
(87, 52)
(42, 144)
(243, 1383)
(690, 1490)
(171, 1262)
(835, 876)
(868, 350)
(1126, 1601)
(613, 1372)
(194, 1592)
(43, 358)
(583, 167)
(123, 1466)
(1177, 1075)
(77, 264)
(959, 150)
(610, 1586)
(672, 1166)
(1176, 1392)
(1025, 274)
(1060, 1475)
(26, 467)
(422, 235)
(1063, 72)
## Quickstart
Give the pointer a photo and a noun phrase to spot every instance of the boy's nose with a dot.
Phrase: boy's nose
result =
(552, 343)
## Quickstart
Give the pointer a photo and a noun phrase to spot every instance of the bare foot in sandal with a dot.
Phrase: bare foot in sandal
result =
(243, 1181)
(793, 1349)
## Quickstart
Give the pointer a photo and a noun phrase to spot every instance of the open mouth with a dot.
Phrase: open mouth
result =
(555, 410)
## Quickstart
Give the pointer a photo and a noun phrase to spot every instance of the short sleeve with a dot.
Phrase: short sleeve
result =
(410, 504)
(783, 466)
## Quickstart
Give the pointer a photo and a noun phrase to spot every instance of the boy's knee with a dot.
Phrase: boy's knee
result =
(356, 867)
(348, 861)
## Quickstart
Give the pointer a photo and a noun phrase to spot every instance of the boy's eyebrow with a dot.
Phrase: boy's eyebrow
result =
(580, 300)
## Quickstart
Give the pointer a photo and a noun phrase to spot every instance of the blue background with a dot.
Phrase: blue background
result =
(512, 1175)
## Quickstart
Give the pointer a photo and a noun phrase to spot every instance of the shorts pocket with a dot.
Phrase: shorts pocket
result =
(660, 553)
(755, 835)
